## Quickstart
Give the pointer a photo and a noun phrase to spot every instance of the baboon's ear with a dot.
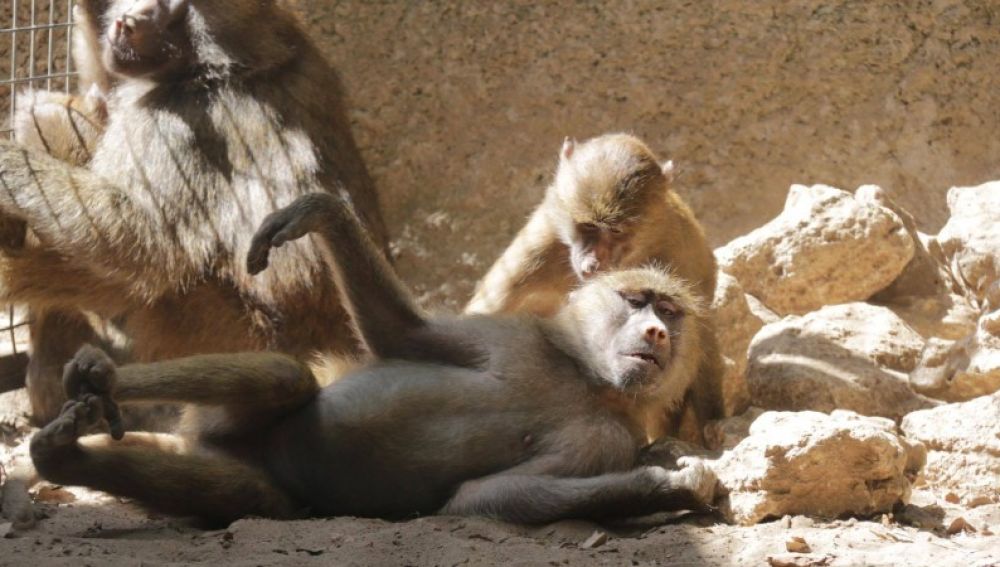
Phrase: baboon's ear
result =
(569, 144)
(668, 169)
(175, 8)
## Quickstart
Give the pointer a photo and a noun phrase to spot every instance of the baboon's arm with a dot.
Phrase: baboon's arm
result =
(533, 274)
(381, 308)
(538, 499)
(89, 221)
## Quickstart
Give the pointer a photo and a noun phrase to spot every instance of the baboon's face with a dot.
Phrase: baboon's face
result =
(597, 247)
(602, 188)
(631, 334)
(146, 38)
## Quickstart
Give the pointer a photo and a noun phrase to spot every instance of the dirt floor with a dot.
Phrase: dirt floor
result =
(81, 527)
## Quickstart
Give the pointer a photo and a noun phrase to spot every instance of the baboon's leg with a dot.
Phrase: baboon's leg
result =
(537, 499)
(41, 277)
(382, 309)
(55, 338)
(153, 470)
(252, 380)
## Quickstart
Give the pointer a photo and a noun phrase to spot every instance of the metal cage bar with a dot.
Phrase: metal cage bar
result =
(38, 36)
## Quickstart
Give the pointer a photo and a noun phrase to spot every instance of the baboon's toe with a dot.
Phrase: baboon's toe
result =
(76, 418)
(90, 372)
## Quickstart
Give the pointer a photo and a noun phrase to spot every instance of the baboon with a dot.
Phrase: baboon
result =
(516, 417)
(68, 127)
(610, 206)
(217, 114)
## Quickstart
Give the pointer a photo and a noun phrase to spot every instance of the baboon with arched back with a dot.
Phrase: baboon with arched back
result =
(218, 114)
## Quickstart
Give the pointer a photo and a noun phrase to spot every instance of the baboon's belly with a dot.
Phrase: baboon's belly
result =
(396, 439)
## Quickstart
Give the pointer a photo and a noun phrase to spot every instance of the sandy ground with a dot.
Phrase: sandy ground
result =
(81, 527)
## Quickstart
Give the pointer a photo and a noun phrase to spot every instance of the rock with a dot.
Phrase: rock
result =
(735, 394)
(923, 517)
(923, 275)
(925, 295)
(735, 323)
(760, 310)
(800, 560)
(959, 524)
(818, 465)
(826, 247)
(963, 444)
(596, 539)
(853, 356)
(958, 371)
(15, 410)
(977, 501)
(727, 433)
(970, 241)
(797, 544)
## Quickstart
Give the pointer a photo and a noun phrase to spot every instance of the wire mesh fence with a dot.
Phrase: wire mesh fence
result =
(35, 53)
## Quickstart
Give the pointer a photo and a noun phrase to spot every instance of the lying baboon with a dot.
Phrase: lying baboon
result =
(609, 207)
(218, 113)
(514, 417)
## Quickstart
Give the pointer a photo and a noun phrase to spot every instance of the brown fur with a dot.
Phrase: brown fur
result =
(612, 183)
(515, 417)
(245, 118)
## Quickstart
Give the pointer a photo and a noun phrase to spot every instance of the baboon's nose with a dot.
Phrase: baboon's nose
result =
(125, 25)
(656, 335)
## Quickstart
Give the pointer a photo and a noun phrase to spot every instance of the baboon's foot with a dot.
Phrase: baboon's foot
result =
(303, 216)
(92, 373)
(76, 418)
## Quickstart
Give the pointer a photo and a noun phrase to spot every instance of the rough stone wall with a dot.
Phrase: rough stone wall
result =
(460, 107)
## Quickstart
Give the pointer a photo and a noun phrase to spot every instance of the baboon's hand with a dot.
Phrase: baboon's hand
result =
(699, 478)
(91, 374)
(287, 224)
(694, 481)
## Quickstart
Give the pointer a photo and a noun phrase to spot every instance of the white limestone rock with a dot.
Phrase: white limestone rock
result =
(826, 247)
(963, 446)
(970, 241)
(853, 356)
(817, 465)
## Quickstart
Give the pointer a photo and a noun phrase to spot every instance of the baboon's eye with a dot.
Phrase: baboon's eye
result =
(668, 309)
(615, 230)
(635, 300)
(588, 228)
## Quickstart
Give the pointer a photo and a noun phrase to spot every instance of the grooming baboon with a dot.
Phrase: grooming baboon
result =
(218, 113)
(610, 206)
(515, 417)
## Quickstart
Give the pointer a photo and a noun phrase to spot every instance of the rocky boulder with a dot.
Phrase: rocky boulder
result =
(853, 356)
(825, 247)
(727, 433)
(970, 241)
(736, 324)
(818, 465)
(961, 370)
(963, 447)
